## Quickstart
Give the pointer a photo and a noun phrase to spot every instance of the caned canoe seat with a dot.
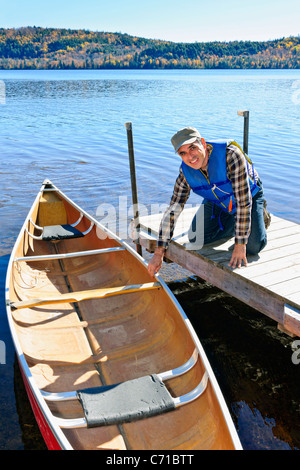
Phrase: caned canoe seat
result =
(52, 220)
(130, 400)
(60, 232)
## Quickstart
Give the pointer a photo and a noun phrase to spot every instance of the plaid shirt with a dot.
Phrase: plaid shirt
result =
(238, 175)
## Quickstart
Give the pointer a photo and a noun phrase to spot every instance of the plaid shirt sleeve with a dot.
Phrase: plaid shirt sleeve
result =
(238, 175)
(180, 195)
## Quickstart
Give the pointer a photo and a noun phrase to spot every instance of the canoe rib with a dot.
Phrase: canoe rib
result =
(170, 374)
(84, 295)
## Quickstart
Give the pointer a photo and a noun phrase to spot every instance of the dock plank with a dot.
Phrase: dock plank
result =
(286, 288)
(255, 269)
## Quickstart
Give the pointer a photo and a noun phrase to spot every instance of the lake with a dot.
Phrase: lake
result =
(68, 126)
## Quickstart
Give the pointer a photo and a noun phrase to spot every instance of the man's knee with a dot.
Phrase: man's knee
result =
(255, 247)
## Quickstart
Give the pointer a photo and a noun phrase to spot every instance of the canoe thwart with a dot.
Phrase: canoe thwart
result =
(73, 254)
(83, 295)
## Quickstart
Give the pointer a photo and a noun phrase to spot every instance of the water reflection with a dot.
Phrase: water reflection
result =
(260, 432)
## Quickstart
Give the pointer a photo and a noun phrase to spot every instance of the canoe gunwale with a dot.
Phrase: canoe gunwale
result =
(33, 391)
(38, 395)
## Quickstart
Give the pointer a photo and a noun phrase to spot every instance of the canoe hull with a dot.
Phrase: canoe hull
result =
(46, 431)
(83, 313)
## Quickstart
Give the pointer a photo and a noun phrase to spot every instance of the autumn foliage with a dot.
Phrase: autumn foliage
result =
(50, 48)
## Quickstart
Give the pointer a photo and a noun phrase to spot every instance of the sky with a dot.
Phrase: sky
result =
(171, 20)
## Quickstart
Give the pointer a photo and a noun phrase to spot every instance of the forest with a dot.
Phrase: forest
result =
(52, 48)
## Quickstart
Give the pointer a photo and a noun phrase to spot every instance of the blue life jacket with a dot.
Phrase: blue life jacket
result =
(217, 187)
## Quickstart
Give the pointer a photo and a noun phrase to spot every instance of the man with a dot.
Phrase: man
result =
(233, 199)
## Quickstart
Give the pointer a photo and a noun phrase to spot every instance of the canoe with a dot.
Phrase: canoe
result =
(108, 357)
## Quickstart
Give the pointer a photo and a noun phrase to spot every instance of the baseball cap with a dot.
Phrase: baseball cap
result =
(187, 135)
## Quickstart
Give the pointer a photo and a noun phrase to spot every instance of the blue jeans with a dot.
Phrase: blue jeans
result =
(211, 223)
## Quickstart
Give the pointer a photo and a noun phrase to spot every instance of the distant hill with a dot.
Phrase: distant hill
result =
(51, 48)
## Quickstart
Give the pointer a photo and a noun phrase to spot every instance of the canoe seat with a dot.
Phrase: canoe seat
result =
(60, 232)
(130, 400)
(83, 295)
(52, 219)
(125, 402)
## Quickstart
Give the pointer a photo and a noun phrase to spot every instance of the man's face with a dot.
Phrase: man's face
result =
(194, 154)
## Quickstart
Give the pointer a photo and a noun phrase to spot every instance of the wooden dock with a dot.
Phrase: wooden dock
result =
(271, 281)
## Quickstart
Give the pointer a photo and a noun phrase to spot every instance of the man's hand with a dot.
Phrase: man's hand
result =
(156, 261)
(238, 256)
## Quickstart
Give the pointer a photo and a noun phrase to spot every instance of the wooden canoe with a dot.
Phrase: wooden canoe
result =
(108, 357)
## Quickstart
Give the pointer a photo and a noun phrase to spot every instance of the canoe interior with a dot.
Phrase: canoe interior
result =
(71, 346)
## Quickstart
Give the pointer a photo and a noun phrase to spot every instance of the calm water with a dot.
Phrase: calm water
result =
(68, 126)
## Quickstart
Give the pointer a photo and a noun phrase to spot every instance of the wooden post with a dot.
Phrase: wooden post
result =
(128, 126)
(245, 114)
